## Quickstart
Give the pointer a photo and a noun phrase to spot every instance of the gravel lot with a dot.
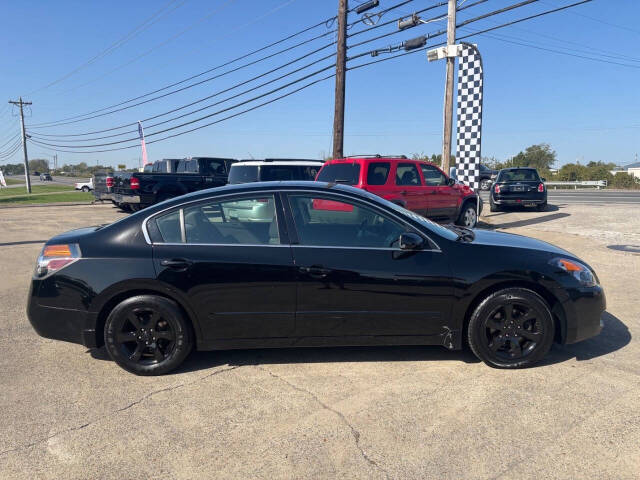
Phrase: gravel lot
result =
(419, 412)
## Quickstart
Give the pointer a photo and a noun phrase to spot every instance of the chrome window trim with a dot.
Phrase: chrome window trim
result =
(183, 231)
(275, 192)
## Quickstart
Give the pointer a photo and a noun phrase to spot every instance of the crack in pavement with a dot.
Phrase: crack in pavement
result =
(119, 410)
(355, 433)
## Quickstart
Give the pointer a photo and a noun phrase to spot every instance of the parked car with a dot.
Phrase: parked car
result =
(133, 191)
(271, 169)
(85, 186)
(188, 275)
(414, 184)
(45, 177)
(101, 190)
(36, 173)
(487, 176)
(518, 187)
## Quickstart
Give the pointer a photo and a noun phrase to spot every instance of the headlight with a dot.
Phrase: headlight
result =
(580, 272)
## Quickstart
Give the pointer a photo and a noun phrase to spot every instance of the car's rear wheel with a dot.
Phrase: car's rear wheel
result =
(468, 216)
(493, 207)
(541, 207)
(511, 328)
(147, 335)
(85, 189)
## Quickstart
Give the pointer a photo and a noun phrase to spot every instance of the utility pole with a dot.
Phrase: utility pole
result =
(341, 57)
(448, 91)
(20, 103)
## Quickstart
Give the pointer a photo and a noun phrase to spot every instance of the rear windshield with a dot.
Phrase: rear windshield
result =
(520, 175)
(212, 167)
(243, 174)
(346, 173)
(269, 173)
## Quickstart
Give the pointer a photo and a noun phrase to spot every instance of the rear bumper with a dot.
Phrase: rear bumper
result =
(120, 198)
(583, 310)
(515, 200)
(75, 326)
(103, 195)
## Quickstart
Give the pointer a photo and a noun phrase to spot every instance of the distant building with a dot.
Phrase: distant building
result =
(631, 169)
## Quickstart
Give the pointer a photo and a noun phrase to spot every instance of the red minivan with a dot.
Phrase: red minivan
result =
(414, 184)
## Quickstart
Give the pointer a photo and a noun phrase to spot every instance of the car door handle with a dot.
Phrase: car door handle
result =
(176, 263)
(315, 271)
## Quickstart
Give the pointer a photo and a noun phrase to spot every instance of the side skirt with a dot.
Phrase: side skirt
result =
(449, 339)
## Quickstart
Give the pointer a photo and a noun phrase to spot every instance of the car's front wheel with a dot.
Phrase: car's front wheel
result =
(511, 328)
(468, 216)
(147, 335)
(85, 189)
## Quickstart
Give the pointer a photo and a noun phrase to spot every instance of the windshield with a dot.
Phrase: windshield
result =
(345, 173)
(519, 175)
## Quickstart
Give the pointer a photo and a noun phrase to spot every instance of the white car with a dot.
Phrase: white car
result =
(85, 186)
(274, 169)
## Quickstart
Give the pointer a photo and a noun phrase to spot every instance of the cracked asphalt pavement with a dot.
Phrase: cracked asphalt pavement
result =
(401, 412)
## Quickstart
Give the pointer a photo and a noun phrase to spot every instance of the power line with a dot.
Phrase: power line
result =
(59, 136)
(599, 20)
(114, 46)
(60, 122)
(241, 57)
(268, 93)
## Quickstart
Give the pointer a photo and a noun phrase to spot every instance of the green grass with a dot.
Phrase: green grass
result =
(35, 189)
(13, 181)
(43, 194)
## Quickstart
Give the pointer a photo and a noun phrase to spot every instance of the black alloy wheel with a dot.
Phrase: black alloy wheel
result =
(512, 328)
(147, 335)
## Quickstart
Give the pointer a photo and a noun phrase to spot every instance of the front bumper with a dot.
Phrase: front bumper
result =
(583, 312)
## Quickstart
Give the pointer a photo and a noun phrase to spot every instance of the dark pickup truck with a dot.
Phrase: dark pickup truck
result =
(133, 191)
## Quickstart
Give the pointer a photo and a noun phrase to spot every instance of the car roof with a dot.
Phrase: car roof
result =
(314, 163)
(261, 186)
(520, 168)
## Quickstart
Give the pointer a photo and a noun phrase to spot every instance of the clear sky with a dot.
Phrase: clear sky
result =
(587, 109)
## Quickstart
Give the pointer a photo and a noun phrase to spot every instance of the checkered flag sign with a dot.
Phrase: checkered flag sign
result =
(470, 79)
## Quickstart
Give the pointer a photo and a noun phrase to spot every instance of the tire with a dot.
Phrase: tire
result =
(485, 184)
(493, 207)
(542, 207)
(148, 335)
(468, 216)
(495, 331)
(85, 189)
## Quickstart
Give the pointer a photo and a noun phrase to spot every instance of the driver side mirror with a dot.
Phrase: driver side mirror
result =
(411, 241)
(451, 182)
(543, 179)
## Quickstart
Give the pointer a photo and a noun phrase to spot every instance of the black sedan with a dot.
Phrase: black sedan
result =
(284, 264)
(520, 187)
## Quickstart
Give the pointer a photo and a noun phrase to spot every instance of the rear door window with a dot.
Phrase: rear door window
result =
(378, 172)
(346, 173)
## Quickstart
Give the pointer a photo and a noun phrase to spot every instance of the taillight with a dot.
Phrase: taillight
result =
(56, 257)
(496, 188)
(109, 182)
(134, 183)
(541, 187)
